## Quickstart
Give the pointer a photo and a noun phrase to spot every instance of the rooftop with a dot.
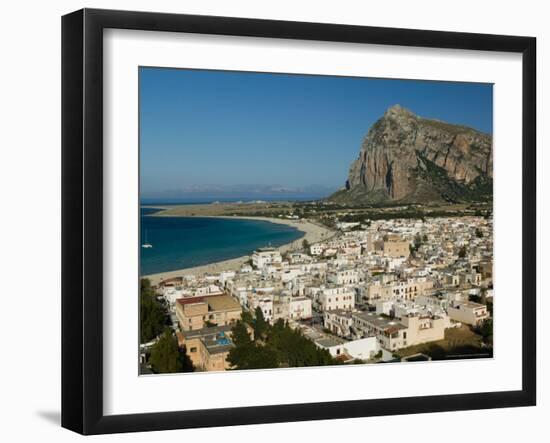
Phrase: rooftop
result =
(469, 304)
(171, 281)
(190, 300)
(205, 332)
(265, 249)
(328, 342)
(379, 321)
(217, 343)
(222, 303)
(300, 298)
(341, 312)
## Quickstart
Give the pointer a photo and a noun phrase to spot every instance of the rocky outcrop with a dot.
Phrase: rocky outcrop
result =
(409, 159)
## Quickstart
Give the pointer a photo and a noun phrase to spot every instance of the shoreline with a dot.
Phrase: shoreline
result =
(312, 232)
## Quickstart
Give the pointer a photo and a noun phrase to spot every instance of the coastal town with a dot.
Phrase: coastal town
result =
(348, 292)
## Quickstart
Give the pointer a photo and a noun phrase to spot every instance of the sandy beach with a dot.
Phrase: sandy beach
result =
(313, 233)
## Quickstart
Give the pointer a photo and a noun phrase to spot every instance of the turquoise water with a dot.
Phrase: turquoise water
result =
(183, 242)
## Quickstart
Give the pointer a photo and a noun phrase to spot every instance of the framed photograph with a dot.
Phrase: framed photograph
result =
(268, 221)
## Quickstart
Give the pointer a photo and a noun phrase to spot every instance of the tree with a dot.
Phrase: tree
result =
(280, 345)
(462, 252)
(425, 238)
(486, 331)
(246, 317)
(479, 233)
(186, 365)
(262, 357)
(239, 334)
(475, 298)
(145, 285)
(260, 325)
(252, 356)
(490, 307)
(294, 349)
(247, 354)
(417, 241)
(165, 354)
(152, 316)
(305, 245)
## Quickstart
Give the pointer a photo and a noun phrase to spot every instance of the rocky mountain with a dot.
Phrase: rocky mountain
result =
(409, 159)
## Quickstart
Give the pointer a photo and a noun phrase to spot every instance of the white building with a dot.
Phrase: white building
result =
(299, 308)
(264, 302)
(347, 225)
(344, 276)
(225, 276)
(172, 293)
(338, 322)
(336, 297)
(207, 290)
(290, 274)
(384, 307)
(266, 256)
(405, 307)
(316, 249)
(362, 349)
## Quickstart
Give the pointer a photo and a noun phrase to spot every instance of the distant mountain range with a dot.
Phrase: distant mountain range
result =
(242, 192)
(408, 159)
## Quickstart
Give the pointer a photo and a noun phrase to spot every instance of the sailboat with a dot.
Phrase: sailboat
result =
(146, 245)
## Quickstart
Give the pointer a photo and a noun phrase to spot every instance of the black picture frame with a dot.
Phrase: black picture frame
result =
(82, 239)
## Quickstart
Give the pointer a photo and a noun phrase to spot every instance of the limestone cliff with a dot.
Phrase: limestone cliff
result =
(409, 159)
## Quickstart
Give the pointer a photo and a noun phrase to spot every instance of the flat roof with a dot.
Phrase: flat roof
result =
(218, 343)
(328, 342)
(218, 349)
(470, 304)
(222, 303)
(379, 321)
(302, 298)
(266, 249)
(190, 300)
(171, 280)
(342, 312)
(212, 330)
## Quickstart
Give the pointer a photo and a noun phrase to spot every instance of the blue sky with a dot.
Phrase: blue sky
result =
(203, 130)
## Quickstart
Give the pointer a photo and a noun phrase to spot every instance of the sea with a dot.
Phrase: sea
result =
(184, 242)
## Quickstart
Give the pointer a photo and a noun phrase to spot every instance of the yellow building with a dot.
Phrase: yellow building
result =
(394, 246)
(393, 334)
(208, 348)
(468, 312)
(193, 313)
(422, 329)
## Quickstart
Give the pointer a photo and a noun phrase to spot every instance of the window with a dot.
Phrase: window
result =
(193, 349)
